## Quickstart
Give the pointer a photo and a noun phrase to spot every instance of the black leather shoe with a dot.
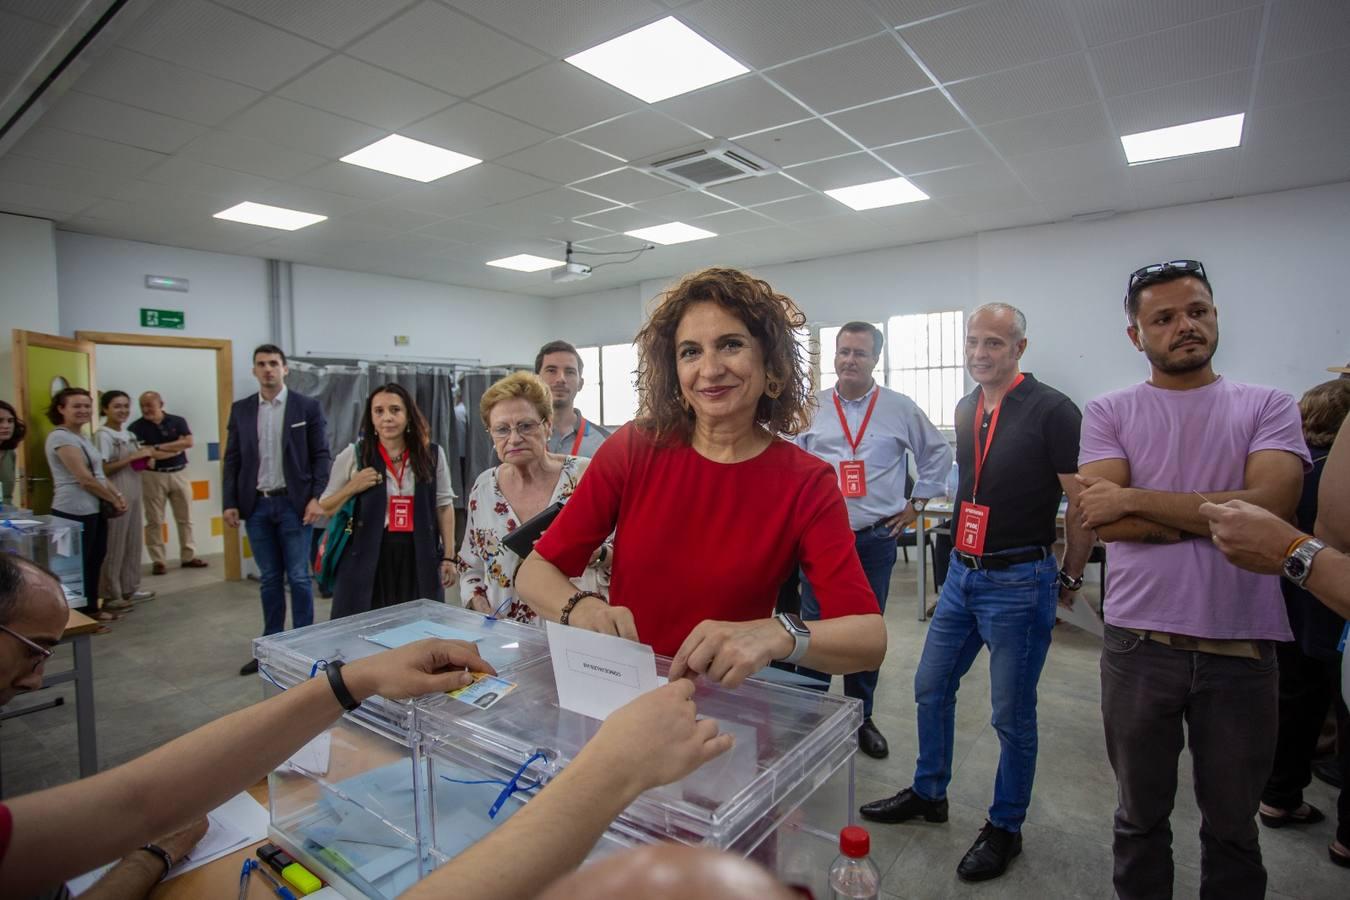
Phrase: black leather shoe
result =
(989, 856)
(249, 668)
(904, 806)
(871, 741)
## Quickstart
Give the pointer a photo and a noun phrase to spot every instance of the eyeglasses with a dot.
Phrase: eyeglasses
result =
(525, 429)
(40, 651)
(1166, 270)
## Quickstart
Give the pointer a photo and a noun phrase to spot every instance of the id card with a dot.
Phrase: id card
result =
(485, 691)
(852, 478)
(400, 514)
(971, 529)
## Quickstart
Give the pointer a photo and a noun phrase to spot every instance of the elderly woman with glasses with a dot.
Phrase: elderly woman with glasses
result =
(713, 508)
(517, 412)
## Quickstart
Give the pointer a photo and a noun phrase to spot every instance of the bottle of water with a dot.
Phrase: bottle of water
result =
(953, 481)
(854, 876)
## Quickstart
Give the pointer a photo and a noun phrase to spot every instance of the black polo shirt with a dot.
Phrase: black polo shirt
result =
(1035, 442)
(170, 428)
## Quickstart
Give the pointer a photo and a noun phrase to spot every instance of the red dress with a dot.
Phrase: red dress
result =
(697, 539)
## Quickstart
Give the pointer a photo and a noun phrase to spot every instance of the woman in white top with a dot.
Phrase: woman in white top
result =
(79, 486)
(123, 460)
(404, 518)
(516, 411)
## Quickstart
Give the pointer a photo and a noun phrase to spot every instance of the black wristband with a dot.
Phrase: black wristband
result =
(344, 696)
(163, 855)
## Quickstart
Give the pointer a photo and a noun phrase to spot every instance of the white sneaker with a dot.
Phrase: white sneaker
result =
(139, 596)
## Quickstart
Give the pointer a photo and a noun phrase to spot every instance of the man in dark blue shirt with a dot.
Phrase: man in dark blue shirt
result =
(166, 479)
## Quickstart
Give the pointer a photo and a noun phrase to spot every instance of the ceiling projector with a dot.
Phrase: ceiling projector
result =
(571, 271)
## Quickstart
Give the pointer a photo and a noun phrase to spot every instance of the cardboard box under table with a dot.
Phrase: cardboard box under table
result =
(406, 787)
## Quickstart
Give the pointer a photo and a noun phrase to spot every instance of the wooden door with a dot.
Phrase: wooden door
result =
(43, 365)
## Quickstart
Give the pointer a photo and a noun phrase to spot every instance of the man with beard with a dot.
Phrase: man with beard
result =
(559, 366)
(1189, 636)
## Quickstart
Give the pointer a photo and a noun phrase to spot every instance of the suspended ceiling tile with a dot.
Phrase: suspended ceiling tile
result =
(625, 219)
(1306, 77)
(1108, 21)
(1177, 104)
(638, 134)
(1307, 26)
(873, 69)
(1036, 88)
(470, 189)
(991, 37)
(447, 50)
(627, 186)
(761, 33)
(758, 189)
(1188, 53)
(685, 205)
(245, 154)
(481, 133)
(362, 92)
(561, 160)
(563, 27)
(740, 106)
(26, 170)
(333, 23)
(280, 121)
(558, 98)
(733, 222)
(113, 121)
(902, 119)
(959, 148)
(1058, 128)
(907, 12)
(801, 209)
(163, 87)
(34, 196)
(967, 180)
(843, 171)
(354, 181)
(68, 148)
(794, 144)
(220, 42)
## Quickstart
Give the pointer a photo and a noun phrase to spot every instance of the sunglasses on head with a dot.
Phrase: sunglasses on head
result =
(1164, 271)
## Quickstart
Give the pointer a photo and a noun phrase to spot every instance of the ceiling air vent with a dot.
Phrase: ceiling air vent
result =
(705, 165)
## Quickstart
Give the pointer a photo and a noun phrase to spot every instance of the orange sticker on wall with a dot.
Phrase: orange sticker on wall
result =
(164, 533)
(201, 490)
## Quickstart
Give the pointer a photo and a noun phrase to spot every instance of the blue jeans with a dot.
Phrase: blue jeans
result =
(280, 542)
(876, 552)
(1012, 611)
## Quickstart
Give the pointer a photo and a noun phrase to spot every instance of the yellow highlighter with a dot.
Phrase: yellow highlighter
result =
(294, 874)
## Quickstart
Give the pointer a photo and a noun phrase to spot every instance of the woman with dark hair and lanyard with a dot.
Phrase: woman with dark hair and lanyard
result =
(404, 521)
(12, 431)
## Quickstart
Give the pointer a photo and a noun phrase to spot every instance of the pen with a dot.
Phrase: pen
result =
(249, 866)
(282, 891)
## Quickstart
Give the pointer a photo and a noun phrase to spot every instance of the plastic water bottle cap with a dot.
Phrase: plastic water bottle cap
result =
(855, 842)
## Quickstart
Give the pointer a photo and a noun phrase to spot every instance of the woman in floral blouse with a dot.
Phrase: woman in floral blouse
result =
(516, 411)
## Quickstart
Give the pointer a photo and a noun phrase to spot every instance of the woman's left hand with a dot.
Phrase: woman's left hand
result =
(449, 574)
(730, 652)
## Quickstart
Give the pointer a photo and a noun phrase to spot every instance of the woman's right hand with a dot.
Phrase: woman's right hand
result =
(594, 614)
(365, 479)
(143, 453)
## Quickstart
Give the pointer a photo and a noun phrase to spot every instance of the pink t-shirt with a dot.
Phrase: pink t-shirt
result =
(1183, 441)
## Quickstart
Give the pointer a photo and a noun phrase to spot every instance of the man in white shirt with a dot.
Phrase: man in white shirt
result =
(865, 431)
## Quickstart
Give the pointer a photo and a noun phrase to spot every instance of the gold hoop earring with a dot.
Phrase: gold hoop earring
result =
(774, 389)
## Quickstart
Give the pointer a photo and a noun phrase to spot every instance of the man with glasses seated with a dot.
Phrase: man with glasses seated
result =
(516, 411)
(1189, 636)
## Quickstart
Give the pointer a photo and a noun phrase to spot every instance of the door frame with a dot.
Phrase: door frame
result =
(224, 351)
(21, 340)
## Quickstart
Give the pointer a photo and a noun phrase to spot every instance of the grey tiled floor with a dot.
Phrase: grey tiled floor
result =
(173, 665)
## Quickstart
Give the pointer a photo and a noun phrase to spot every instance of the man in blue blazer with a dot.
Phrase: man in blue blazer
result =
(276, 466)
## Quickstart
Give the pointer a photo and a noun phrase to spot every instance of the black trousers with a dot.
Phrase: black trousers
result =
(95, 547)
(1155, 700)
(1307, 687)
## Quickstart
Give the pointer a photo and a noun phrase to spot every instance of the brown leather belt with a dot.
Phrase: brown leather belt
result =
(1243, 649)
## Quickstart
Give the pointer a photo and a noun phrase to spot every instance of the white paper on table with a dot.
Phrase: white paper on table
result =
(235, 824)
(313, 758)
(1082, 615)
(598, 673)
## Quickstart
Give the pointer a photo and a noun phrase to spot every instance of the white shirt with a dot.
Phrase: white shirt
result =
(897, 425)
(344, 467)
(271, 424)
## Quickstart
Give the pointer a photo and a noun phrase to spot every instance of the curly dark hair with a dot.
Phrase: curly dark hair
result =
(770, 317)
(417, 438)
(59, 400)
(1324, 408)
(20, 429)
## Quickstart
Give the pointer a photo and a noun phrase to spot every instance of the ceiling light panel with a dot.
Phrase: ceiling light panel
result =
(1183, 140)
(407, 158)
(525, 262)
(674, 233)
(269, 216)
(658, 61)
(874, 194)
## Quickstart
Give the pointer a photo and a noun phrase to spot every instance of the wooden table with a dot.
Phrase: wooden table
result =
(78, 629)
(218, 878)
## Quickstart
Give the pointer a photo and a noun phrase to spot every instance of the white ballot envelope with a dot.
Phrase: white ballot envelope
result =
(598, 673)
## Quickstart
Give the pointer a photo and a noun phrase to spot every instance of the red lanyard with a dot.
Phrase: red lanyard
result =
(397, 473)
(980, 457)
(848, 435)
(581, 433)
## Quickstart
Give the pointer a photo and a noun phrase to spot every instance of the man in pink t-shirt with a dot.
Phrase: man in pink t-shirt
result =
(1189, 636)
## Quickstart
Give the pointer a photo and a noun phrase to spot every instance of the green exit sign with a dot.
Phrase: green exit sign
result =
(162, 318)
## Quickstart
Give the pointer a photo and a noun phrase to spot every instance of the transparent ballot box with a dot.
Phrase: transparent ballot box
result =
(345, 804)
(395, 790)
(49, 541)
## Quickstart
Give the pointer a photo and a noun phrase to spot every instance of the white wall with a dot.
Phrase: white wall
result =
(102, 284)
(340, 313)
(28, 295)
(1280, 264)
(186, 379)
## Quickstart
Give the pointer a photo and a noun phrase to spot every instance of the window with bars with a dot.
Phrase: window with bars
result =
(610, 393)
(925, 361)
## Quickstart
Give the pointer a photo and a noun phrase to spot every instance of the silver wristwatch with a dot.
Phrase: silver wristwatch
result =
(1298, 565)
(919, 503)
(800, 634)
